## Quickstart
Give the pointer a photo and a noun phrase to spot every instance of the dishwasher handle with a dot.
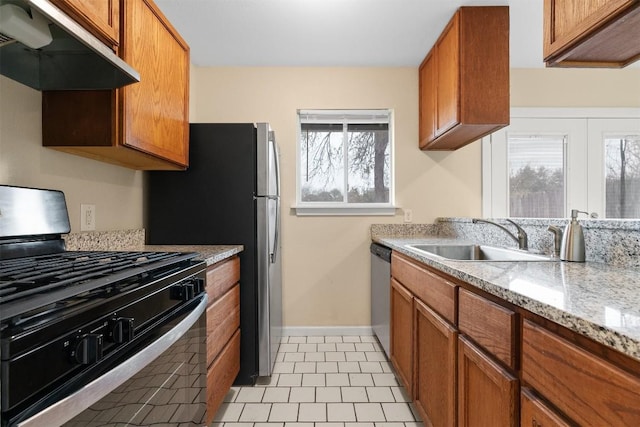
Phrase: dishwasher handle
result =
(381, 251)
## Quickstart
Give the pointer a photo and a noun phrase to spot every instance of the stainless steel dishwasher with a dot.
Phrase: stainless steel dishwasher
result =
(380, 293)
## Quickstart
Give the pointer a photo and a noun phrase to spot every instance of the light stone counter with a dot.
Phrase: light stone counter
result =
(133, 240)
(594, 299)
(208, 253)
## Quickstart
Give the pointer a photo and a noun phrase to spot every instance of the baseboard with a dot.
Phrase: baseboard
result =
(299, 331)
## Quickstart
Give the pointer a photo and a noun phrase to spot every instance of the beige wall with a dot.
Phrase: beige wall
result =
(116, 191)
(326, 264)
(326, 259)
(569, 87)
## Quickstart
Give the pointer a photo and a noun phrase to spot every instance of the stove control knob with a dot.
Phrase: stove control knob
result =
(200, 284)
(120, 330)
(88, 349)
(183, 291)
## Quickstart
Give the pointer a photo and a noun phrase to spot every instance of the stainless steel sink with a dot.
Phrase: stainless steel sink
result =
(478, 253)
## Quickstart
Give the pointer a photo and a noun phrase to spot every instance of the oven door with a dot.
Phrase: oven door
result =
(164, 383)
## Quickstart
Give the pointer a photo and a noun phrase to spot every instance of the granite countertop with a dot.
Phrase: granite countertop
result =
(597, 300)
(208, 253)
(133, 240)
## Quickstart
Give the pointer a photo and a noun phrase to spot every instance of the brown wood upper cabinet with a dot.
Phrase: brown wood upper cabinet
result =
(464, 79)
(99, 17)
(591, 33)
(140, 126)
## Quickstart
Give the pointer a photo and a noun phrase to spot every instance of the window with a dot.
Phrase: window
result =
(622, 167)
(345, 162)
(549, 161)
(536, 176)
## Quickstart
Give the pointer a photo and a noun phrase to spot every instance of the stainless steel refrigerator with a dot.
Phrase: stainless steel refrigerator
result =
(230, 194)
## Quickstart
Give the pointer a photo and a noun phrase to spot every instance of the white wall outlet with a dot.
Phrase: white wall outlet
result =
(87, 217)
(408, 215)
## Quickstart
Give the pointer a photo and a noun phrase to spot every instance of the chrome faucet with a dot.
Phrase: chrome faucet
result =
(522, 236)
(557, 239)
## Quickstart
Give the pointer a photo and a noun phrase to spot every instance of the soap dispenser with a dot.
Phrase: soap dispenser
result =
(572, 247)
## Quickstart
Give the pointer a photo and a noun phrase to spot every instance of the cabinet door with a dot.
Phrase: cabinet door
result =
(487, 393)
(100, 17)
(592, 33)
(447, 77)
(402, 333)
(221, 374)
(535, 413)
(585, 387)
(155, 110)
(435, 367)
(427, 100)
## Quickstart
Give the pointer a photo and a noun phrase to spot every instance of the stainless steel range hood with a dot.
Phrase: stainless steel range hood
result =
(74, 60)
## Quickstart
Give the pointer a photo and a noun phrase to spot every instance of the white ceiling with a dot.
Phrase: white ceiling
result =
(335, 32)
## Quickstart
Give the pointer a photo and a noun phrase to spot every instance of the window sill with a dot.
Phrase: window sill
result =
(345, 210)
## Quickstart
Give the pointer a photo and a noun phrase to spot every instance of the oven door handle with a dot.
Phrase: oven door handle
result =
(72, 405)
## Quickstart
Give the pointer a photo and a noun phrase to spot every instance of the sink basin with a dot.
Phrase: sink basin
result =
(478, 253)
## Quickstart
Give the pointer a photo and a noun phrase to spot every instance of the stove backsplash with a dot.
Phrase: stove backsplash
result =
(614, 242)
(119, 240)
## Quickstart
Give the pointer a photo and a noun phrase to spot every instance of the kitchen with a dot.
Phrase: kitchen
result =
(246, 94)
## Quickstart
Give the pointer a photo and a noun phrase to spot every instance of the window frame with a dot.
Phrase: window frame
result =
(344, 208)
(583, 158)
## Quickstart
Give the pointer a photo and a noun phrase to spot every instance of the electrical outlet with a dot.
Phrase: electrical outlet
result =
(87, 217)
(408, 215)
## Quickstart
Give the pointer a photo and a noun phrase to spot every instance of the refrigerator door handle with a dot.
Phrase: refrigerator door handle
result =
(276, 153)
(274, 253)
(276, 161)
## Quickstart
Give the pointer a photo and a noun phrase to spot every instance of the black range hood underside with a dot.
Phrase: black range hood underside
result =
(75, 59)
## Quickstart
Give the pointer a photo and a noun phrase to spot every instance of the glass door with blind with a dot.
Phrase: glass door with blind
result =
(531, 169)
(542, 167)
(615, 149)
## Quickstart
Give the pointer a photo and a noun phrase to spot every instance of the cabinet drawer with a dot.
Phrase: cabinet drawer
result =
(488, 324)
(223, 319)
(535, 413)
(588, 389)
(221, 277)
(221, 374)
(433, 290)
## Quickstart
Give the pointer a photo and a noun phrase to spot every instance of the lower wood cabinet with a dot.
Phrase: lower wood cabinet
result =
(402, 333)
(487, 392)
(587, 388)
(534, 412)
(221, 374)
(468, 358)
(435, 367)
(223, 331)
(488, 324)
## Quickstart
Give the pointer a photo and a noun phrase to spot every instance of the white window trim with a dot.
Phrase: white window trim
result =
(344, 208)
(575, 196)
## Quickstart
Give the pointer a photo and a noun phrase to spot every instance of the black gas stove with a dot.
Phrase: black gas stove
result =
(69, 318)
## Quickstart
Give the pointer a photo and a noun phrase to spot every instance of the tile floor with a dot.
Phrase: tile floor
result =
(323, 381)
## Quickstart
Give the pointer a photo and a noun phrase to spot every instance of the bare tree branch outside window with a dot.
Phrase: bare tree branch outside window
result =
(345, 162)
(622, 176)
